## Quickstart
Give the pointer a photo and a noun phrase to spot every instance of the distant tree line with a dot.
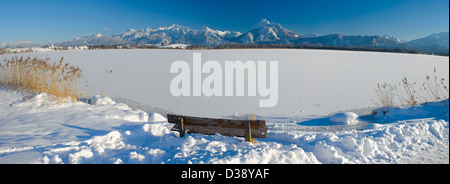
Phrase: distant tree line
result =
(147, 46)
(293, 46)
(272, 46)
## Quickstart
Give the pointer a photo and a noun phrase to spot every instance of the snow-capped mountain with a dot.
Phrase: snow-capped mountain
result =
(311, 35)
(357, 41)
(267, 32)
(19, 44)
(263, 32)
(93, 35)
(178, 34)
(93, 39)
(434, 43)
(390, 37)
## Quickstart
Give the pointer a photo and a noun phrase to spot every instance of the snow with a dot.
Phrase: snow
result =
(155, 117)
(35, 129)
(101, 100)
(174, 46)
(323, 116)
(347, 118)
(429, 109)
(311, 82)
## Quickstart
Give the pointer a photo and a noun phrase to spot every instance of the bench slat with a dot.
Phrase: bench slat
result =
(226, 127)
(190, 120)
(211, 130)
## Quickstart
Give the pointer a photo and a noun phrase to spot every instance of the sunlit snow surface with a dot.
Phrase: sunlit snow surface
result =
(313, 85)
(311, 82)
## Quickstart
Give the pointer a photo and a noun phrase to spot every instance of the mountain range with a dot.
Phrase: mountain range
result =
(19, 44)
(264, 32)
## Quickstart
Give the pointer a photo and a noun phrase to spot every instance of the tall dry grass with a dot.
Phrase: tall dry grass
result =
(408, 93)
(34, 75)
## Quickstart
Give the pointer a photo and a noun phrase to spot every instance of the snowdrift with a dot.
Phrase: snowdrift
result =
(347, 118)
(426, 110)
(112, 133)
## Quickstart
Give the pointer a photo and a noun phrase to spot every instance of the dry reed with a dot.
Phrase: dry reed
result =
(59, 79)
(433, 89)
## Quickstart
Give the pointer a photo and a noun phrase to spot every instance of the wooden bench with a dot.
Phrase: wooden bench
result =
(227, 127)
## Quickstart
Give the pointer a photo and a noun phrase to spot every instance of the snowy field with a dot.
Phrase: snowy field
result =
(313, 84)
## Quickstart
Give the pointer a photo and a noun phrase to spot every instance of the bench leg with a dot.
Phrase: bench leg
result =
(248, 132)
(180, 122)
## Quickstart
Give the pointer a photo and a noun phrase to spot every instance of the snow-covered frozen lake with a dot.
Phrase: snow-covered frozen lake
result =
(311, 82)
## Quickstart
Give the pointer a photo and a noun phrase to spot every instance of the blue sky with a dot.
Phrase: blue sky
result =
(45, 21)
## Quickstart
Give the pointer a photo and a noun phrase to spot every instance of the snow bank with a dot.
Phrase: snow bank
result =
(77, 133)
(156, 117)
(41, 119)
(401, 142)
(426, 110)
(45, 100)
(347, 118)
(155, 143)
(102, 100)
